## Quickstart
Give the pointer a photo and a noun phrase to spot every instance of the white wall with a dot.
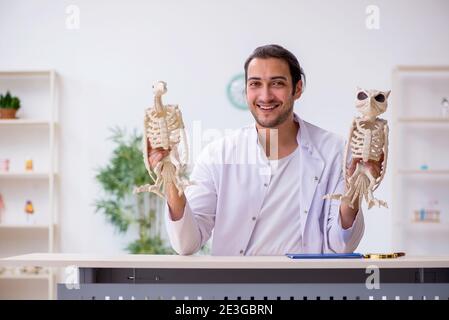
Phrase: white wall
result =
(107, 66)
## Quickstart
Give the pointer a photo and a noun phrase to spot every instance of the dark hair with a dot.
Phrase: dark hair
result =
(278, 52)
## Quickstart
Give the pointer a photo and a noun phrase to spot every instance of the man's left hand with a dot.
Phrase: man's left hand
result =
(375, 167)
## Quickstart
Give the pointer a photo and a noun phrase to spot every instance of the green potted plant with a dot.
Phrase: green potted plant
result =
(122, 208)
(8, 106)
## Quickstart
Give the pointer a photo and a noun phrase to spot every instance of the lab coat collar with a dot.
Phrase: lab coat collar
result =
(305, 140)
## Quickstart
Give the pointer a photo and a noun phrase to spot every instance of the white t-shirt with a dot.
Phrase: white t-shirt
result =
(280, 211)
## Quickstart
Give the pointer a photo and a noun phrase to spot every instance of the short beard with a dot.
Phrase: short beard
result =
(275, 122)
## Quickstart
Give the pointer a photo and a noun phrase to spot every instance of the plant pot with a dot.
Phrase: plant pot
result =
(7, 113)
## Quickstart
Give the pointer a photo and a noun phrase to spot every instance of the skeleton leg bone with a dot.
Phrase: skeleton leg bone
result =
(156, 187)
(353, 193)
(149, 187)
(358, 188)
(370, 197)
(143, 188)
(180, 170)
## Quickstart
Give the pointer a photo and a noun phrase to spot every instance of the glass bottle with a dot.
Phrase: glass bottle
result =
(29, 165)
(445, 108)
(29, 210)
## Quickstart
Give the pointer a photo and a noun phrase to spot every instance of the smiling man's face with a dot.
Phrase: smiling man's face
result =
(269, 91)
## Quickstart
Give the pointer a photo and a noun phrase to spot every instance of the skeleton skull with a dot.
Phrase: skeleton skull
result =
(159, 88)
(371, 103)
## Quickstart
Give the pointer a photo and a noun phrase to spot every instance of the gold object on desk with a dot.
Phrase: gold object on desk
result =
(384, 255)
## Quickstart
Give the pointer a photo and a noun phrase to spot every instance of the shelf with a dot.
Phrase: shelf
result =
(420, 131)
(24, 226)
(28, 122)
(26, 72)
(422, 120)
(40, 88)
(411, 68)
(428, 226)
(423, 172)
(25, 175)
(26, 277)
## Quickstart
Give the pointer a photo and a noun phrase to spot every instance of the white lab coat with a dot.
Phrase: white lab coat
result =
(230, 176)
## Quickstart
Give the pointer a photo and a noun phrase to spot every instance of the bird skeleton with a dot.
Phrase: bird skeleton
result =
(368, 140)
(164, 128)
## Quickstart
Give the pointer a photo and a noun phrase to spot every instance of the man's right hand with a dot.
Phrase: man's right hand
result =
(156, 155)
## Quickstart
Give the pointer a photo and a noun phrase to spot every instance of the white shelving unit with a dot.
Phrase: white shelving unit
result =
(32, 136)
(420, 159)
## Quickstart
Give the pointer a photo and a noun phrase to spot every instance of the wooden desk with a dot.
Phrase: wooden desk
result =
(218, 277)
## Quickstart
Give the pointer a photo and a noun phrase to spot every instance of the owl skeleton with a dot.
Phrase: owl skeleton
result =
(368, 141)
(164, 128)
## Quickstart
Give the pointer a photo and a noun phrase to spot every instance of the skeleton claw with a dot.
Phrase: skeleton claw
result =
(155, 190)
(376, 202)
(341, 197)
(333, 197)
(141, 189)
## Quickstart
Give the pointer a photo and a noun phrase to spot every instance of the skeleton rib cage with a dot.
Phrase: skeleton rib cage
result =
(164, 132)
(368, 143)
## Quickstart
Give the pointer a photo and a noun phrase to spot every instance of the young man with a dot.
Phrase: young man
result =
(274, 205)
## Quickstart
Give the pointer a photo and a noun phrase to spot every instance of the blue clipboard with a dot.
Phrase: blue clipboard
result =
(324, 255)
